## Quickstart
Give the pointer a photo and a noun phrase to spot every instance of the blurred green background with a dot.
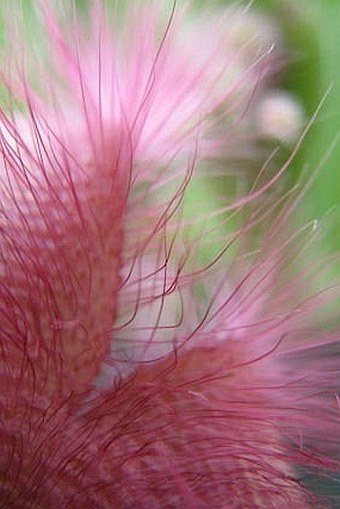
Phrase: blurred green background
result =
(311, 72)
(312, 35)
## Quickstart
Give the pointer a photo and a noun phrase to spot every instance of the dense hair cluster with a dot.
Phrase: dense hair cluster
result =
(152, 356)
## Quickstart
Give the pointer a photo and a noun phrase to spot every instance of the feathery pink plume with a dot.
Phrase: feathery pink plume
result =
(131, 375)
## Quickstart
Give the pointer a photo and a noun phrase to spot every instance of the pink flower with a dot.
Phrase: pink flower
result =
(132, 374)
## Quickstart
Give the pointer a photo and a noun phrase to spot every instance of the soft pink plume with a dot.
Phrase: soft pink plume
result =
(132, 374)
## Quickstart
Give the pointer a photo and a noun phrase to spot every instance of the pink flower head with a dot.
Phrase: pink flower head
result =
(133, 374)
